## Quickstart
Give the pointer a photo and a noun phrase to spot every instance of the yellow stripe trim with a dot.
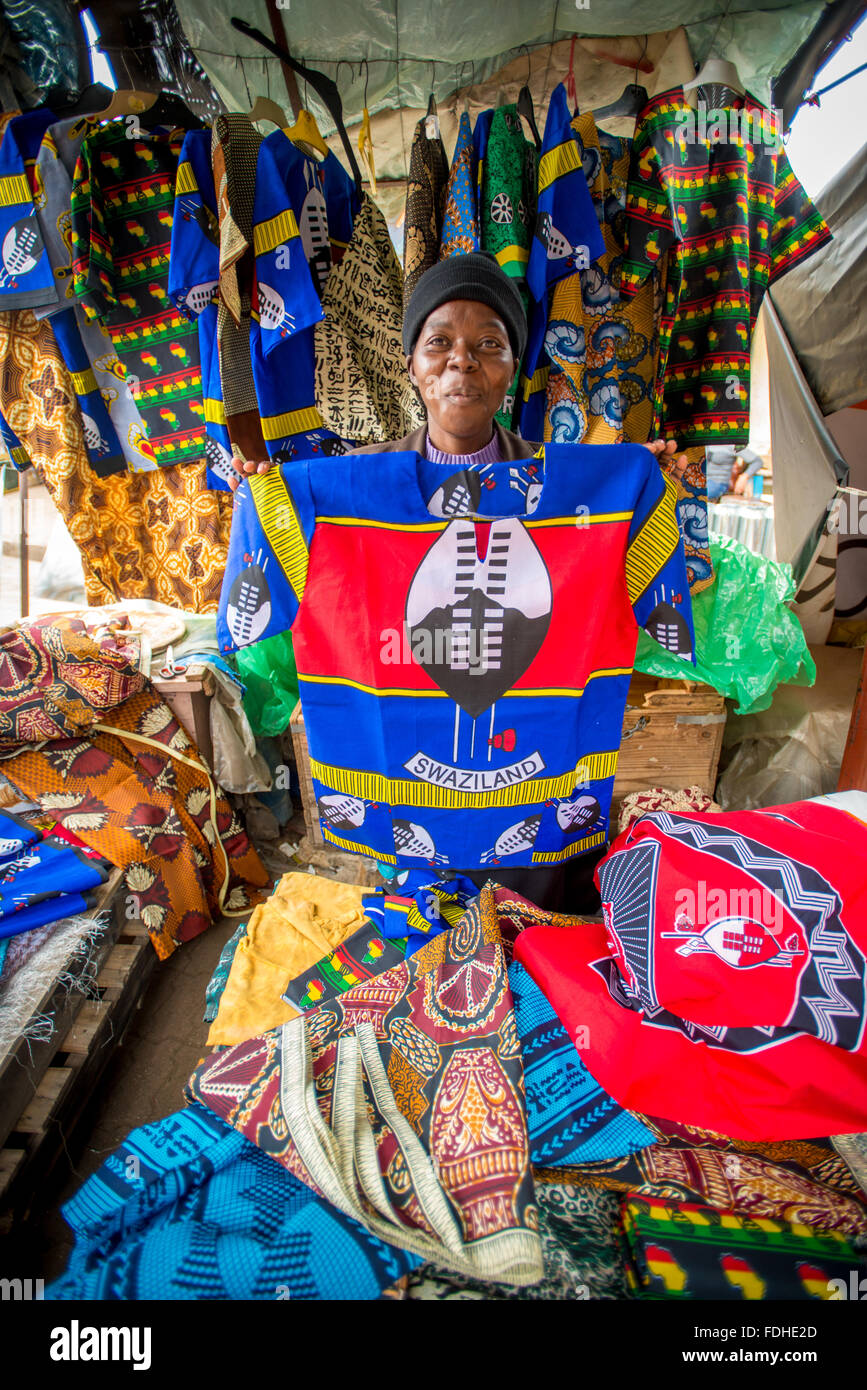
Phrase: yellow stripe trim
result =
(275, 232)
(186, 179)
(654, 544)
(558, 855)
(215, 411)
(569, 692)
(383, 525)
(281, 525)
(563, 159)
(531, 524)
(537, 382)
(395, 791)
(358, 849)
(83, 382)
(14, 189)
(591, 519)
(512, 253)
(292, 422)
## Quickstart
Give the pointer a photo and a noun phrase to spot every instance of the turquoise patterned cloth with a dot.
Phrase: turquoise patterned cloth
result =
(217, 982)
(569, 1116)
(187, 1208)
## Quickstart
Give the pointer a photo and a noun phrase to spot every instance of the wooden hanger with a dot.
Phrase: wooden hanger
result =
(264, 109)
(127, 103)
(305, 131)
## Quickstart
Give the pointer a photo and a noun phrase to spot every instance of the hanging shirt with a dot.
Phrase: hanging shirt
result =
(25, 276)
(363, 390)
(567, 238)
(114, 431)
(601, 349)
(425, 200)
(461, 216)
(122, 201)
(300, 203)
(455, 682)
(721, 197)
(507, 210)
(194, 274)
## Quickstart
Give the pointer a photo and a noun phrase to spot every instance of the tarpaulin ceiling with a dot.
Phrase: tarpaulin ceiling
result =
(413, 46)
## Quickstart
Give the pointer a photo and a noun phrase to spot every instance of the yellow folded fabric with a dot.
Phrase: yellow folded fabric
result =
(305, 918)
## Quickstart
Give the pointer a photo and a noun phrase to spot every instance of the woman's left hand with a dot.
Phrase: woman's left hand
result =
(668, 458)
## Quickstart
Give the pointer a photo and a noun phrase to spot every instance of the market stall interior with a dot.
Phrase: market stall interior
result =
(433, 742)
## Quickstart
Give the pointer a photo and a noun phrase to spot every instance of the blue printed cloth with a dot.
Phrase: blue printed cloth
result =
(26, 278)
(194, 273)
(187, 1208)
(453, 719)
(461, 217)
(569, 1116)
(567, 239)
(303, 217)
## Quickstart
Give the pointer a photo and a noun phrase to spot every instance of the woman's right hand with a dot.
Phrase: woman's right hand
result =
(244, 467)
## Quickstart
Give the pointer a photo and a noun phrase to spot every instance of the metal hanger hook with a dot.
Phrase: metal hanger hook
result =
(364, 64)
(340, 65)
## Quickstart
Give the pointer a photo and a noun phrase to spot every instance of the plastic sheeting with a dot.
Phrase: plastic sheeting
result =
(792, 751)
(744, 650)
(822, 305)
(807, 463)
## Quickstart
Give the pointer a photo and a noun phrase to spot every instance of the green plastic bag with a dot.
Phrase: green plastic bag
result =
(747, 640)
(268, 671)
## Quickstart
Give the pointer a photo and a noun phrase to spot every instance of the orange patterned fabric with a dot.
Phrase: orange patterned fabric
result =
(160, 535)
(137, 790)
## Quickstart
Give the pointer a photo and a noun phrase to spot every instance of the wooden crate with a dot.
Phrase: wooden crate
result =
(672, 737)
(45, 1085)
(189, 697)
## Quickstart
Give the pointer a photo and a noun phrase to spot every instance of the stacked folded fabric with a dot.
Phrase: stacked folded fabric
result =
(46, 874)
(462, 1115)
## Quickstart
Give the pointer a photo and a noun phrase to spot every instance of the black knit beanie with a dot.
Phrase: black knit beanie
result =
(475, 275)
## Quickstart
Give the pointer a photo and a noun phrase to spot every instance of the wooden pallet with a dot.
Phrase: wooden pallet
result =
(45, 1086)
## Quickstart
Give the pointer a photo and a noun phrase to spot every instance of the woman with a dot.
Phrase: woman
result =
(464, 333)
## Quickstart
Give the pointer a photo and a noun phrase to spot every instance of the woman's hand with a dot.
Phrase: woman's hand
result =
(244, 467)
(667, 457)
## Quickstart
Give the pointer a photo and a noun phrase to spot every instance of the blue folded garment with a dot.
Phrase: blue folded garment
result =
(569, 1116)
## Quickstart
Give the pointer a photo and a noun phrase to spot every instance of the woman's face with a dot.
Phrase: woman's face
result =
(463, 366)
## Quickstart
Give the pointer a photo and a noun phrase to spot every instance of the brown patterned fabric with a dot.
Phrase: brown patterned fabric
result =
(363, 390)
(402, 1103)
(137, 790)
(425, 205)
(791, 1180)
(56, 682)
(160, 535)
(234, 149)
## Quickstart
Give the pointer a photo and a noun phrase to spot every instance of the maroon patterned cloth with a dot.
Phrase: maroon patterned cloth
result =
(55, 681)
(402, 1103)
